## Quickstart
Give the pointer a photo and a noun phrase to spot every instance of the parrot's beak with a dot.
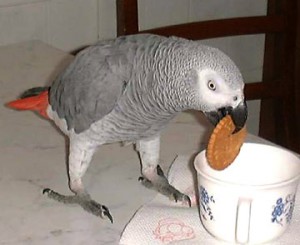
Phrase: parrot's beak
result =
(238, 114)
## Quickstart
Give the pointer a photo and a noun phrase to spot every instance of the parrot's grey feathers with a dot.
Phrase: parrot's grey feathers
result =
(134, 85)
(90, 87)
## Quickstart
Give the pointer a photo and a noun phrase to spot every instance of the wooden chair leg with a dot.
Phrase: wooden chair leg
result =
(127, 21)
(278, 116)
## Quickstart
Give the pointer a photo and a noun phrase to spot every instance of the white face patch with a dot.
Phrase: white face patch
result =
(215, 92)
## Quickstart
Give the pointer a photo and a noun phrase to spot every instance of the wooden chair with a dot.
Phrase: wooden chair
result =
(278, 90)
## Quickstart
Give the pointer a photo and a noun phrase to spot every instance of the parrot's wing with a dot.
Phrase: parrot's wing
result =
(91, 86)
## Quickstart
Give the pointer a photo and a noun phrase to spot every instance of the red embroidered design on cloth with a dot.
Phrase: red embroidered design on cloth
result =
(171, 229)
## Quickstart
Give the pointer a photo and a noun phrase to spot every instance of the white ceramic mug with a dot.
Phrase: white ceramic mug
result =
(252, 200)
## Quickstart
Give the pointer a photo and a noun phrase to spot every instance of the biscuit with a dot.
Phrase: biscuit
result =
(224, 146)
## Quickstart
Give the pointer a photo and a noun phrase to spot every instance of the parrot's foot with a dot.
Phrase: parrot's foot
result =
(84, 200)
(160, 183)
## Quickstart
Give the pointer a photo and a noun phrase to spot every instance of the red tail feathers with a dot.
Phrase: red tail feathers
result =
(37, 103)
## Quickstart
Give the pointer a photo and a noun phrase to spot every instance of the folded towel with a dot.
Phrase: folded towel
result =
(162, 221)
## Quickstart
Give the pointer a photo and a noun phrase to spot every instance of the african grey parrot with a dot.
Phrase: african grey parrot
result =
(127, 90)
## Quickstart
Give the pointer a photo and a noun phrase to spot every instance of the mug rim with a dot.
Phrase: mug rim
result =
(256, 186)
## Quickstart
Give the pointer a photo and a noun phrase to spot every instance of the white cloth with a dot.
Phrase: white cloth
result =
(161, 221)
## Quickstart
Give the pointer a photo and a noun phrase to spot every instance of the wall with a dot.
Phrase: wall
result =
(65, 24)
(70, 24)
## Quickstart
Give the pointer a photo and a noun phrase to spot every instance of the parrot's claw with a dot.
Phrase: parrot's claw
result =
(161, 184)
(84, 200)
(183, 198)
(145, 182)
(95, 208)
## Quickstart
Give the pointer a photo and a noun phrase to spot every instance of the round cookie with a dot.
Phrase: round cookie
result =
(223, 146)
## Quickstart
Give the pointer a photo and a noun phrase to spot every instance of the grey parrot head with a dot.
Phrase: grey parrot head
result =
(220, 85)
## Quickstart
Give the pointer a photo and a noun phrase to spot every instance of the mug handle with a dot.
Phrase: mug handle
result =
(242, 225)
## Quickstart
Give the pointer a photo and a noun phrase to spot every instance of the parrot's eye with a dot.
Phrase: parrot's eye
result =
(211, 85)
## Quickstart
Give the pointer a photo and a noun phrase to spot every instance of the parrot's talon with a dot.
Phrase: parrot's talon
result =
(107, 213)
(188, 200)
(178, 196)
(84, 200)
(162, 185)
(159, 171)
(46, 191)
(175, 197)
(95, 208)
(145, 182)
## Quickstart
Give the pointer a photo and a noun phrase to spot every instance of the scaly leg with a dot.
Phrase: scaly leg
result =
(80, 157)
(152, 174)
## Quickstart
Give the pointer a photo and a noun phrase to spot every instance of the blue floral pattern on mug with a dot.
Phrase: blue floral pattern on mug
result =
(283, 210)
(205, 201)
